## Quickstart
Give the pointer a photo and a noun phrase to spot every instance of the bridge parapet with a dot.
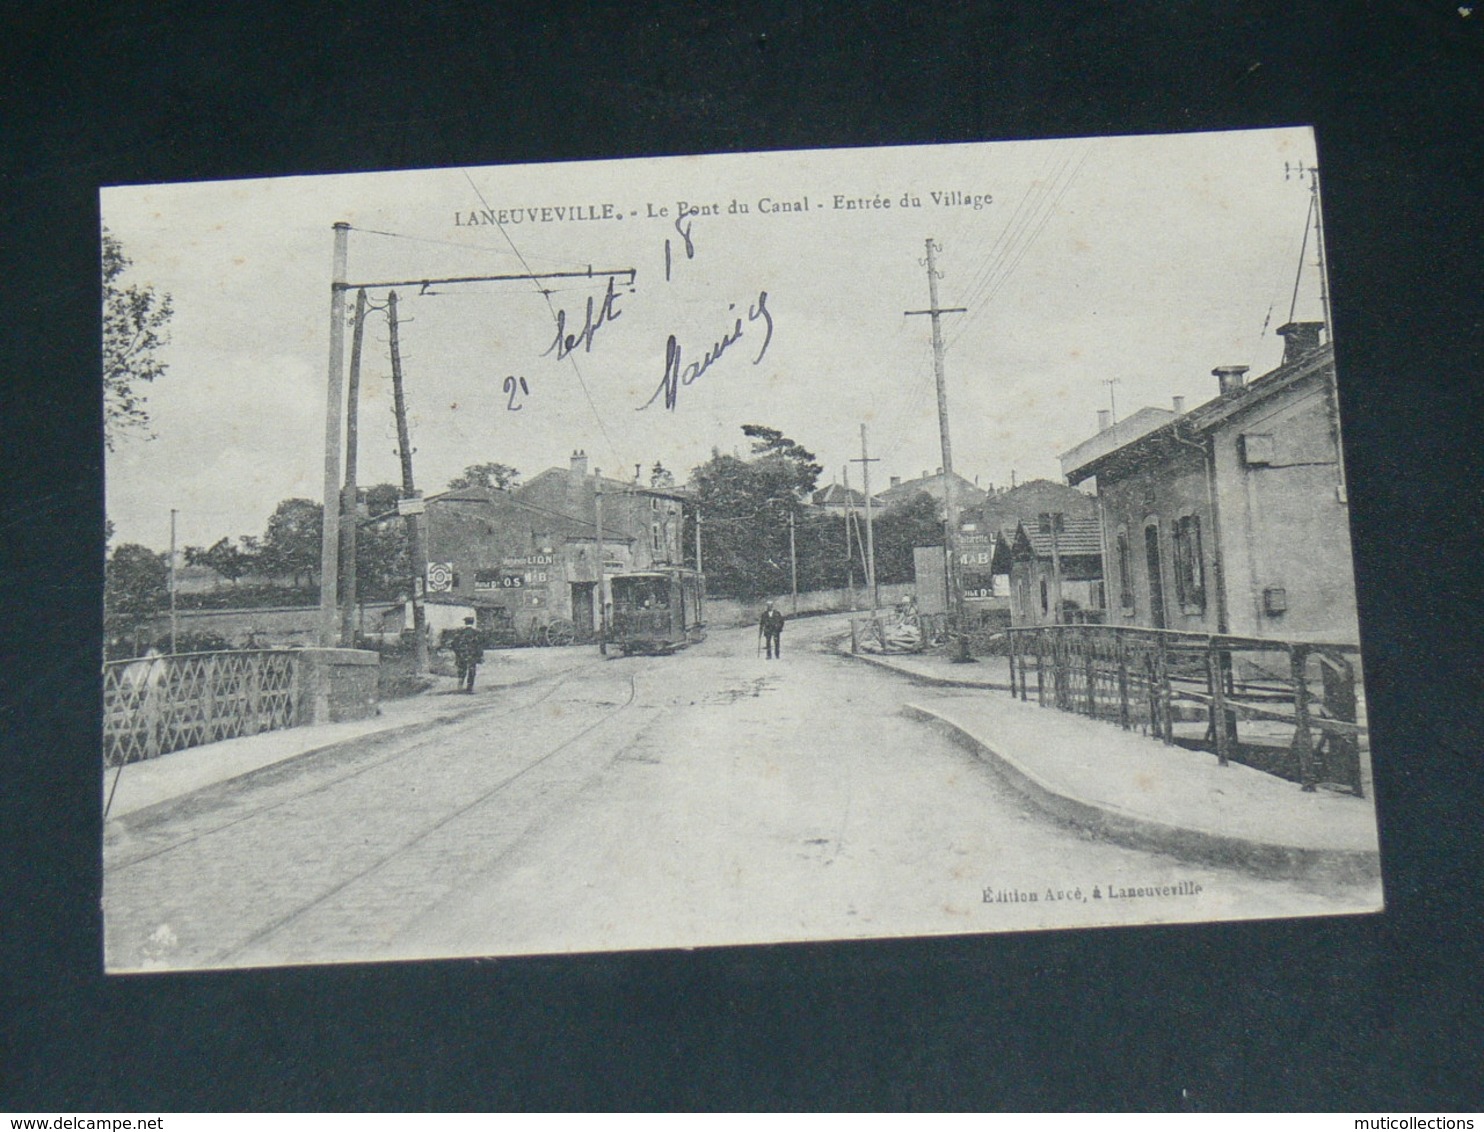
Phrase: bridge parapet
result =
(157, 704)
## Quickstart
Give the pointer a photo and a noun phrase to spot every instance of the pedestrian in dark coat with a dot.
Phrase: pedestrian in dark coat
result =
(771, 628)
(468, 652)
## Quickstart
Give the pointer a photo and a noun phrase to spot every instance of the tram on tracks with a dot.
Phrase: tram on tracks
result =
(657, 611)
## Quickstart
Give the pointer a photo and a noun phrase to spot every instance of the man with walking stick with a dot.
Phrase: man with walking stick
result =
(771, 630)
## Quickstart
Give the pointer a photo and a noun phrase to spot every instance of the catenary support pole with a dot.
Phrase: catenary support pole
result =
(350, 494)
(329, 559)
(173, 623)
(417, 542)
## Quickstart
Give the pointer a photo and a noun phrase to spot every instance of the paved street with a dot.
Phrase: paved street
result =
(712, 797)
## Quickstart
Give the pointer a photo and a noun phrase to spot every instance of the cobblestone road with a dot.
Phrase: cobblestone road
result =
(711, 797)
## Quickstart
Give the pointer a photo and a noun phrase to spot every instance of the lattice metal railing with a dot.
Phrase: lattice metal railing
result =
(154, 705)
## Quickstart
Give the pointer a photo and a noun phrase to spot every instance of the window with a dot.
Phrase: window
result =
(1125, 571)
(1045, 598)
(1190, 570)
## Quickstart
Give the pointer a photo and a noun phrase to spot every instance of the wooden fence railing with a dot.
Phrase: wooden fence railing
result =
(1155, 680)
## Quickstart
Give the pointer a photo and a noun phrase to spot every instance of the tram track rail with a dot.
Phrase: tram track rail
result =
(276, 925)
(401, 752)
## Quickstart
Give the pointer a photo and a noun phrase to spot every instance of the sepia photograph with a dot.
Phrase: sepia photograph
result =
(737, 549)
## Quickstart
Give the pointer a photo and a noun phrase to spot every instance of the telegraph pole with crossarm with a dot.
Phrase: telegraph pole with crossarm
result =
(950, 496)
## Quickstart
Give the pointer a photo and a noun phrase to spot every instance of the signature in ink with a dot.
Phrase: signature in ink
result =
(565, 343)
(678, 372)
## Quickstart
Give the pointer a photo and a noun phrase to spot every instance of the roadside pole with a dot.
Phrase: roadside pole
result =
(416, 533)
(329, 558)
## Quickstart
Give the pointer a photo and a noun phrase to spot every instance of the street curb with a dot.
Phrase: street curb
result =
(144, 813)
(921, 678)
(1190, 842)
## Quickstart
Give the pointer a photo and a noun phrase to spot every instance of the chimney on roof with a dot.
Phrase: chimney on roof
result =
(1179, 403)
(896, 481)
(1105, 419)
(1299, 339)
(579, 462)
(1232, 378)
(939, 472)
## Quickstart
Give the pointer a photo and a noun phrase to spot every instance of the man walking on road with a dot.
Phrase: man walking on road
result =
(771, 628)
(467, 654)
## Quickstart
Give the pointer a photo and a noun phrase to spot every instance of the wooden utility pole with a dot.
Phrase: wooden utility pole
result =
(793, 559)
(350, 494)
(1052, 521)
(849, 551)
(329, 557)
(417, 544)
(865, 461)
(173, 624)
(950, 496)
(602, 601)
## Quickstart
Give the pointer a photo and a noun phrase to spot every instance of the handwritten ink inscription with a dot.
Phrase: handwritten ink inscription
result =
(564, 343)
(679, 372)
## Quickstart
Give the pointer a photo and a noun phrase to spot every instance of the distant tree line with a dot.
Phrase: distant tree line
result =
(745, 506)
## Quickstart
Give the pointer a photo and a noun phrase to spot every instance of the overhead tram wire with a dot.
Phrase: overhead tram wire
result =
(1048, 211)
(571, 357)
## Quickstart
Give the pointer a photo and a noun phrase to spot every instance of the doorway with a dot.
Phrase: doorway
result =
(583, 610)
(1156, 576)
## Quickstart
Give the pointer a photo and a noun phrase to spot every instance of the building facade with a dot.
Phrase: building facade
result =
(1055, 567)
(1233, 517)
(523, 560)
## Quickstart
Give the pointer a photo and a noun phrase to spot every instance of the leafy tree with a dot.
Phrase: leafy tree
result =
(770, 444)
(381, 499)
(745, 507)
(500, 477)
(291, 544)
(227, 560)
(135, 588)
(897, 531)
(381, 561)
(135, 322)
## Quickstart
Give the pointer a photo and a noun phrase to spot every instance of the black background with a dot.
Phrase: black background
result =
(1364, 1013)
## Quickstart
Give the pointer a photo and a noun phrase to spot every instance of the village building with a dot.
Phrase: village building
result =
(965, 493)
(1055, 568)
(840, 500)
(525, 563)
(1231, 517)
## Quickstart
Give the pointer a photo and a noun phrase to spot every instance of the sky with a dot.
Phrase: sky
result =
(1149, 260)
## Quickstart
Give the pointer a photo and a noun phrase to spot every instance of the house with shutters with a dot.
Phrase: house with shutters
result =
(1231, 517)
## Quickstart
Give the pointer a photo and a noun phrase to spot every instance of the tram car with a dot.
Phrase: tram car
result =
(657, 611)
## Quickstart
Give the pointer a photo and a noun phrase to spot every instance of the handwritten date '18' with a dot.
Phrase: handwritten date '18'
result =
(678, 372)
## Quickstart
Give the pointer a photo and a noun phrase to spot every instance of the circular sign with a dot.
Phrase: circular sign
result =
(440, 577)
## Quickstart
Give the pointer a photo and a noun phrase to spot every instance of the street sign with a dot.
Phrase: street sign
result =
(411, 506)
(440, 577)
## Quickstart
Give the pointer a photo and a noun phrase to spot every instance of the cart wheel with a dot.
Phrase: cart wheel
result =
(560, 632)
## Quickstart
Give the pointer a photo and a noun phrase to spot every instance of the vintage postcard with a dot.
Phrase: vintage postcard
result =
(722, 550)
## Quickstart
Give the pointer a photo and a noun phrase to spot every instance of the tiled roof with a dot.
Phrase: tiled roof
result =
(1078, 536)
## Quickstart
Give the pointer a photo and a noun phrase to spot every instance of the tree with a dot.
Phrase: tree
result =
(227, 560)
(135, 322)
(495, 477)
(135, 588)
(381, 561)
(745, 507)
(914, 523)
(291, 544)
(381, 499)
